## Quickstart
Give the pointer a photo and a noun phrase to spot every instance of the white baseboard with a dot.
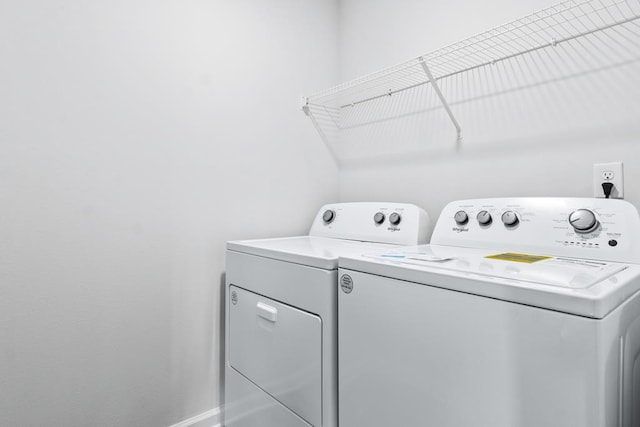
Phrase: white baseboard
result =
(210, 418)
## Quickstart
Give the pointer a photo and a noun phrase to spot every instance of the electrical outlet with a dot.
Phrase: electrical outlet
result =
(608, 172)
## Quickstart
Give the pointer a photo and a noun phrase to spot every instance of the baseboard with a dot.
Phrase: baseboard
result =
(210, 418)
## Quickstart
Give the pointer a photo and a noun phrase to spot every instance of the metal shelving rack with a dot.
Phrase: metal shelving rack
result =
(592, 34)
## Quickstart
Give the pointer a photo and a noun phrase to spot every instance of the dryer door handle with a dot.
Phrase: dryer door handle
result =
(267, 312)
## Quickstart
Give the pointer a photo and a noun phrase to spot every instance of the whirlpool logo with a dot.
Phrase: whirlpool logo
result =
(459, 229)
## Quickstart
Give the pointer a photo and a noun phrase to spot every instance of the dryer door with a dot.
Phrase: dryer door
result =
(279, 349)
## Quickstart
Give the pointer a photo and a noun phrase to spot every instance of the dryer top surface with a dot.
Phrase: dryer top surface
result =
(319, 252)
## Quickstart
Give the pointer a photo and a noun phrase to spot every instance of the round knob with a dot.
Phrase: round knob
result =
(461, 217)
(583, 221)
(378, 218)
(395, 218)
(328, 216)
(510, 219)
(484, 218)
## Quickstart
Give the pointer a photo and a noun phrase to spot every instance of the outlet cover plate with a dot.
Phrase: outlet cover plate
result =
(608, 172)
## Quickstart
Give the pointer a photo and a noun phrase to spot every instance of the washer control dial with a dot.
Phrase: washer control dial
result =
(328, 216)
(378, 218)
(583, 220)
(461, 217)
(395, 218)
(510, 219)
(484, 218)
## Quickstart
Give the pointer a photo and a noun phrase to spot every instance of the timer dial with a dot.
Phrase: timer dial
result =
(328, 216)
(510, 219)
(378, 218)
(583, 221)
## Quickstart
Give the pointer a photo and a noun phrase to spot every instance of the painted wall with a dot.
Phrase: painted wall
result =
(537, 142)
(136, 137)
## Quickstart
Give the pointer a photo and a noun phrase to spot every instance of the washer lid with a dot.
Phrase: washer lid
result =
(579, 286)
(319, 252)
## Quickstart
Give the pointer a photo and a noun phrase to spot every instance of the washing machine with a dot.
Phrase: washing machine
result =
(281, 312)
(522, 312)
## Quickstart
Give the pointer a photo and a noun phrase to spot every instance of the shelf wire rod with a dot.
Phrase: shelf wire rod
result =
(520, 47)
(597, 47)
(373, 85)
(617, 6)
(374, 97)
(504, 58)
(621, 34)
(547, 31)
(603, 49)
(364, 79)
(537, 69)
(502, 30)
(589, 17)
(552, 16)
(496, 45)
(567, 21)
(575, 57)
(324, 107)
(635, 43)
(435, 87)
(578, 19)
(516, 75)
(533, 49)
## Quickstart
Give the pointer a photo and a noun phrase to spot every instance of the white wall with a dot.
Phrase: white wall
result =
(550, 157)
(136, 137)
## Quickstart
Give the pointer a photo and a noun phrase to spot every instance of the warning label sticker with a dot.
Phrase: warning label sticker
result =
(527, 259)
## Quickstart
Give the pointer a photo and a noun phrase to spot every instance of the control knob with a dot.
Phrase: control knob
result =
(510, 219)
(484, 218)
(328, 216)
(583, 220)
(461, 217)
(395, 218)
(378, 218)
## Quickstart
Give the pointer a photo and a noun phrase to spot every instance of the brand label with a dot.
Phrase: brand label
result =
(234, 297)
(346, 283)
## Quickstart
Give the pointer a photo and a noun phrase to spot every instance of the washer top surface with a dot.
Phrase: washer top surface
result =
(584, 287)
(563, 272)
(579, 256)
(313, 251)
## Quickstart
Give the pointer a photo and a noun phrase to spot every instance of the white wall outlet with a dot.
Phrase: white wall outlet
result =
(608, 172)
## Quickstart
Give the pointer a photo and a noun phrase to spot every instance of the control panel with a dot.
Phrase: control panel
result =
(604, 229)
(397, 223)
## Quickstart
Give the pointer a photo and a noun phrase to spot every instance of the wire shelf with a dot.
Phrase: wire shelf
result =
(569, 39)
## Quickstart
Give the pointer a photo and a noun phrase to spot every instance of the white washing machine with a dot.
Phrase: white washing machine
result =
(522, 312)
(281, 307)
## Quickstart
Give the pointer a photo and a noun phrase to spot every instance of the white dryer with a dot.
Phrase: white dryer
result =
(522, 312)
(281, 307)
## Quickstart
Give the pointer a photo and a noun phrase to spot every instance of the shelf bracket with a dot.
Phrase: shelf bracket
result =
(435, 86)
(304, 104)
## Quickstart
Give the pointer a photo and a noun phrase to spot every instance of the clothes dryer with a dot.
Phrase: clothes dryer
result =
(281, 312)
(522, 312)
